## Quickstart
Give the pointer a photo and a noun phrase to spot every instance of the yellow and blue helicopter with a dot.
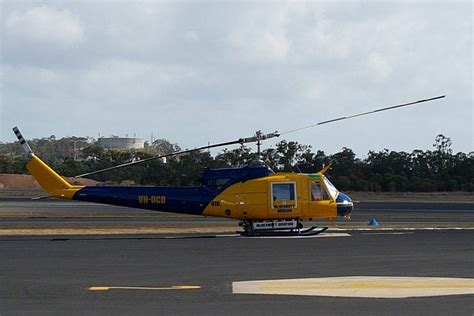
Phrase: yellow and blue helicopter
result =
(265, 202)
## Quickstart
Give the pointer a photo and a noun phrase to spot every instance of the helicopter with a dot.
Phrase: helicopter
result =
(264, 202)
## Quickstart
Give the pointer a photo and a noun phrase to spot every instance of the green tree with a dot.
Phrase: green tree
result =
(236, 157)
(164, 147)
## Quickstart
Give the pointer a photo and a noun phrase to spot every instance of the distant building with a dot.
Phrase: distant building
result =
(121, 143)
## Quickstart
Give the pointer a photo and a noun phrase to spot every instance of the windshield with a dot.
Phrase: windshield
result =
(331, 188)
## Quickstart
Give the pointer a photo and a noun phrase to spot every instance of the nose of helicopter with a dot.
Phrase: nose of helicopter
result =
(344, 204)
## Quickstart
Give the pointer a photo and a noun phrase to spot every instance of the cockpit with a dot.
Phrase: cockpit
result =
(323, 190)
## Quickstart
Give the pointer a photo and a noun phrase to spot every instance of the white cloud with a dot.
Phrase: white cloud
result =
(191, 36)
(34, 79)
(228, 68)
(119, 78)
(259, 36)
(46, 25)
(378, 67)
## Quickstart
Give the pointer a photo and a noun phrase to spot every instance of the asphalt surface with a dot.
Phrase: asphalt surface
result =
(52, 275)
(51, 213)
(47, 276)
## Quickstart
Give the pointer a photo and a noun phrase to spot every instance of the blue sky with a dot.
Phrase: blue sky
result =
(196, 72)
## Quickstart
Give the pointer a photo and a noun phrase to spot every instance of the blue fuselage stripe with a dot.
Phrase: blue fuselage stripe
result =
(186, 200)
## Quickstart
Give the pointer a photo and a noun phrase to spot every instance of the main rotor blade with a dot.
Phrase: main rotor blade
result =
(362, 114)
(239, 141)
(258, 137)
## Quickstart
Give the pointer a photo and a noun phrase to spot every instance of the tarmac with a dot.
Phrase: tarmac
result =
(418, 249)
(53, 214)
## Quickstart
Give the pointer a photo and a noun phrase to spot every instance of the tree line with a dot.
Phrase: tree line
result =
(388, 171)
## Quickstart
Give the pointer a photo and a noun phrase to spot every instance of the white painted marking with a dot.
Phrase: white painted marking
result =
(399, 228)
(322, 235)
(359, 286)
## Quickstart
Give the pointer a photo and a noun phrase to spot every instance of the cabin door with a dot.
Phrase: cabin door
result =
(283, 199)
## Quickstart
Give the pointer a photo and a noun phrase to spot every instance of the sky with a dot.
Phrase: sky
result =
(195, 72)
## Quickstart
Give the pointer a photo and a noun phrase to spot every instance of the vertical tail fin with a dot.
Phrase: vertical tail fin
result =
(46, 177)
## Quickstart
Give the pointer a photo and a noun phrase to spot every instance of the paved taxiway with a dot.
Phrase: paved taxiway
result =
(53, 274)
(45, 275)
(53, 213)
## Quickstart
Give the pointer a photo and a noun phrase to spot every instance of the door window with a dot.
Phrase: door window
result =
(284, 195)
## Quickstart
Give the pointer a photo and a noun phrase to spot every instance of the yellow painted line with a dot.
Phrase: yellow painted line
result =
(360, 286)
(112, 231)
(398, 233)
(174, 287)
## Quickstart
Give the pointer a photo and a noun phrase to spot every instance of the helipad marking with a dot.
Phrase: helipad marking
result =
(359, 286)
(174, 287)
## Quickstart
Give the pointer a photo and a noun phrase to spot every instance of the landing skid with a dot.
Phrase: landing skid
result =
(294, 232)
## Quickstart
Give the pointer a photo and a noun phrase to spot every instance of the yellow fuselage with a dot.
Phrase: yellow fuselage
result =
(253, 200)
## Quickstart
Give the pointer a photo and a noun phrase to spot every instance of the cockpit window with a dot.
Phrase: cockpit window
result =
(331, 188)
(318, 193)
